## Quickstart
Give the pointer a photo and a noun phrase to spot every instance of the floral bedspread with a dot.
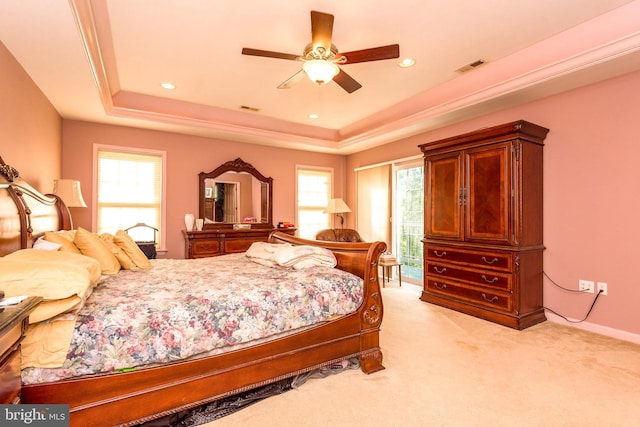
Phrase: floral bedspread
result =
(181, 308)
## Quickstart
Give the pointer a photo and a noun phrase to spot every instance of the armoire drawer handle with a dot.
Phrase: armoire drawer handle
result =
(495, 279)
(494, 299)
(435, 267)
(444, 286)
(490, 262)
(441, 254)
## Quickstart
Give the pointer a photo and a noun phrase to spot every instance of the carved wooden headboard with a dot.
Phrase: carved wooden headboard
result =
(25, 213)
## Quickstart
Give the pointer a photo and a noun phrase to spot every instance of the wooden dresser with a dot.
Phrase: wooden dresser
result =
(14, 320)
(483, 223)
(208, 243)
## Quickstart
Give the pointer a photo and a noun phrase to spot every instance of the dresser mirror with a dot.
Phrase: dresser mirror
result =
(235, 192)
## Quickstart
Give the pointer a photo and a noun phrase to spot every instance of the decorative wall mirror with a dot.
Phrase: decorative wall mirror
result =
(235, 192)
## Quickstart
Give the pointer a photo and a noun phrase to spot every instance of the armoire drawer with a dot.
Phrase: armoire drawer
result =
(496, 300)
(484, 259)
(489, 278)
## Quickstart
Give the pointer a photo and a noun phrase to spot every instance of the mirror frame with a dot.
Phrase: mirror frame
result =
(237, 165)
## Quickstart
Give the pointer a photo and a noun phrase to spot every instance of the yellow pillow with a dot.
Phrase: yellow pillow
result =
(49, 309)
(130, 247)
(124, 259)
(48, 280)
(91, 245)
(66, 245)
(60, 259)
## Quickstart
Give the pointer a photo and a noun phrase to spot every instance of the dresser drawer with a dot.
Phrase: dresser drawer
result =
(241, 245)
(10, 381)
(487, 298)
(484, 259)
(489, 278)
(205, 248)
(10, 339)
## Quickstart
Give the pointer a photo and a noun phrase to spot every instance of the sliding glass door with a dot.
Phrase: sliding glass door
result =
(408, 218)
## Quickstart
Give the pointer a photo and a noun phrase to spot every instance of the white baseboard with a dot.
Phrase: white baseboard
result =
(598, 329)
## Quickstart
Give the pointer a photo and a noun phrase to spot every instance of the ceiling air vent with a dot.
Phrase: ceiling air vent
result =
(471, 66)
(246, 107)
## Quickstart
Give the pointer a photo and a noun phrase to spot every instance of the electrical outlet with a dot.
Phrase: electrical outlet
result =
(602, 286)
(586, 286)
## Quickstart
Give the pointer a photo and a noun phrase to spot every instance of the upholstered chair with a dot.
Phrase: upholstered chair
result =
(339, 235)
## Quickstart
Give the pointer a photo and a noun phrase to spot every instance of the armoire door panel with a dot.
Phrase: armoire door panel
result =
(487, 211)
(443, 198)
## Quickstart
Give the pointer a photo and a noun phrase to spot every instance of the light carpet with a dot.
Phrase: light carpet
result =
(445, 368)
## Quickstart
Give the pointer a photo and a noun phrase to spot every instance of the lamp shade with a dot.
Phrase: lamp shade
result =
(320, 71)
(337, 206)
(69, 191)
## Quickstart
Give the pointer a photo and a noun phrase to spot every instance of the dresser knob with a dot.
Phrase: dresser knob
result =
(435, 267)
(490, 262)
(441, 254)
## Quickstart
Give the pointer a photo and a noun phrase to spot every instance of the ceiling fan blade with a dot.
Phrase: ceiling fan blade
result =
(347, 82)
(373, 54)
(291, 81)
(321, 30)
(269, 54)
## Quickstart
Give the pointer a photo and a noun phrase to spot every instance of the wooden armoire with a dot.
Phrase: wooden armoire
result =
(483, 223)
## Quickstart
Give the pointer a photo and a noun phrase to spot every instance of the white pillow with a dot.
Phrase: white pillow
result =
(45, 245)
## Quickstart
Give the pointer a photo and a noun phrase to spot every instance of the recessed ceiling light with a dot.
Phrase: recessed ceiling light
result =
(313, 116)
(407, 62)
(168, 85)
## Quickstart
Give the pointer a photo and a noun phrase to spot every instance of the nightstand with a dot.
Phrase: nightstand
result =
(14, 320)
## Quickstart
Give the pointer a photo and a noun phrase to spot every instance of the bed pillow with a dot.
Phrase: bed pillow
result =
(49, 309)
(53, 282)
(45, 245)
(66, 245)
(58, 258)
(90, 244)
(50, 281)
(126, 243)
(124, 259)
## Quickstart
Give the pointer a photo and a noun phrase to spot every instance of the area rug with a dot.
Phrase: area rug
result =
(220, 408)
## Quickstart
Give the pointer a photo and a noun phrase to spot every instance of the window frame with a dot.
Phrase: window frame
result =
(162, 240)
(317, 169)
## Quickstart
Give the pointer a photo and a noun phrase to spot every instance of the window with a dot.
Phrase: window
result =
(129, 189)
(314, 192)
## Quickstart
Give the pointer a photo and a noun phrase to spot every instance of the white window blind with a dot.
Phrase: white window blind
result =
(314, 189)
(129, 191)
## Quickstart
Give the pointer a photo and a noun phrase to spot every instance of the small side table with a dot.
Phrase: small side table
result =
(386, 270)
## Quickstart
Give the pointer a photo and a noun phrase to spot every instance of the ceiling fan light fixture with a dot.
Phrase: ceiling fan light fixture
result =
(320, 71)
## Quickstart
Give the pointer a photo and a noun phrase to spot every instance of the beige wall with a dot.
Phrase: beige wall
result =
(591, 203)
(30, 128)
(187, 156)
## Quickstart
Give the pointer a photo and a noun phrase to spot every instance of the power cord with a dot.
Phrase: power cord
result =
(571, 290)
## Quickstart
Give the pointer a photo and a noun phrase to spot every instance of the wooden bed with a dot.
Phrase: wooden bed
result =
(135, 397)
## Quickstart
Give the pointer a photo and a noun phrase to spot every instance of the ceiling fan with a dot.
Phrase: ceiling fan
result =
(321, 57)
